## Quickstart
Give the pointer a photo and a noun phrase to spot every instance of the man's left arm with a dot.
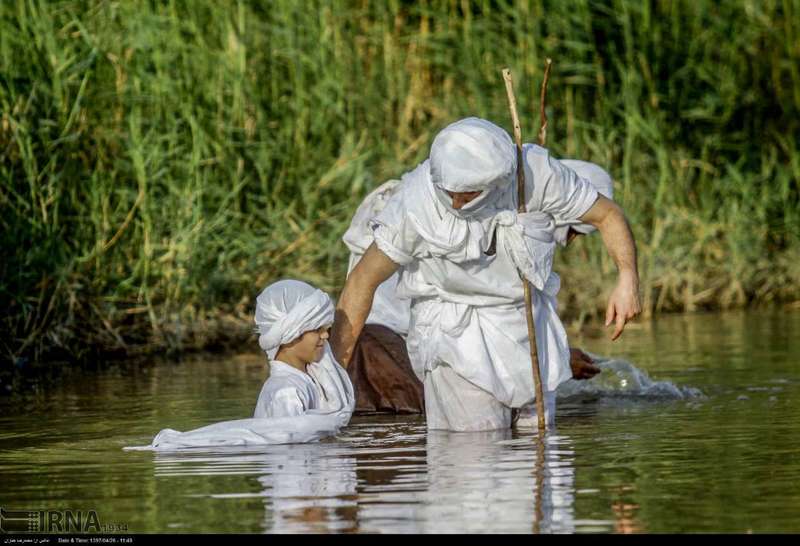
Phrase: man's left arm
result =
(608, 218)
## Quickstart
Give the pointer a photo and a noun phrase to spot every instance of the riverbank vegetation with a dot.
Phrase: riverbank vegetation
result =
(162, 161)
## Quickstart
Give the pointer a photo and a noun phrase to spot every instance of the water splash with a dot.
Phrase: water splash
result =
(621, 379)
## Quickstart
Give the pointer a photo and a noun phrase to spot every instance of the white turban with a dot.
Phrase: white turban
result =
(598, 178)
(287, 309)
(472, 155)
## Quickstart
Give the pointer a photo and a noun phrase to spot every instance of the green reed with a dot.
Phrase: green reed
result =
(161, 162)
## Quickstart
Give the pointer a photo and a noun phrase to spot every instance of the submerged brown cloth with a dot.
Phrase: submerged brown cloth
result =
(384, 380)
(381, 373)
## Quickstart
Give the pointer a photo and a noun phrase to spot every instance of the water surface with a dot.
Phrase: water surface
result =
(692, 427)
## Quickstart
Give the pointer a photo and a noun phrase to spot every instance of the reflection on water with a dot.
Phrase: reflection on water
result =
(310, 490)
(491, 482)
(449, 483)
(690, 428)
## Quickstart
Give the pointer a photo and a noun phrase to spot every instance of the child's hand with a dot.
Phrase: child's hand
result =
(582, 366)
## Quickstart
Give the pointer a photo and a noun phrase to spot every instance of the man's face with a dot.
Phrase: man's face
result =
(461, 198)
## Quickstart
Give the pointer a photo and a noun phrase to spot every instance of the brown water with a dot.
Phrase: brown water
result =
(709, 442)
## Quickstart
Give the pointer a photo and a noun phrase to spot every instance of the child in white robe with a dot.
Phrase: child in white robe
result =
(294, 319)
(308, 395)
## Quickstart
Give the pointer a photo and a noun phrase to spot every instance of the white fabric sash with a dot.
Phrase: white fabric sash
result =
(528, 240)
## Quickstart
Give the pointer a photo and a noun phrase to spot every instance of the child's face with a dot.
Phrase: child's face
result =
(310, 346)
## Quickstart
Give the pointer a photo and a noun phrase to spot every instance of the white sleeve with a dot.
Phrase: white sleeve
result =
(395, 233)
(554, 188)
(359, 235)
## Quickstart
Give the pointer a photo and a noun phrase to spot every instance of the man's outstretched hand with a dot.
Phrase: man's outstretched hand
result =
(623, 304)
(582, 365)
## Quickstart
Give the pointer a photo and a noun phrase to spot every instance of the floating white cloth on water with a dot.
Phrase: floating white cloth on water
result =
(293, 406)
(335, 399)
(467, 307)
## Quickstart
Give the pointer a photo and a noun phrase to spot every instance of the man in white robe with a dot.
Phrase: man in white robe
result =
(453, 229)
(380, 371)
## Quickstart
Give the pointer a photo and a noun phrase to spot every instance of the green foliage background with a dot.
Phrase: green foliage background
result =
(162, 161)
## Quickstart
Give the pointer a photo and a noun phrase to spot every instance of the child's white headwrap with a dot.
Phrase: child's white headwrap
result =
(287, 309)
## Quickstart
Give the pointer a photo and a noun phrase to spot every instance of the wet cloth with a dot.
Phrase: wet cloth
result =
(328, 394)
(372, 359)
(293, 407)
(467, 309)
(288, 392)
(382, 376)
(380, 369)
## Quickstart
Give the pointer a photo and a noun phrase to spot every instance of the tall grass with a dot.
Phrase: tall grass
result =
(162, 161)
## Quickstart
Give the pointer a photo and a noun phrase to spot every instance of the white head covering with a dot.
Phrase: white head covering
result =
(598, 178)
(472, 155)
(287, 309)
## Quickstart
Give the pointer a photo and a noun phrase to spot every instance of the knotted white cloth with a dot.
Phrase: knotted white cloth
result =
(467, 305)
(528, 239)
(389, 310)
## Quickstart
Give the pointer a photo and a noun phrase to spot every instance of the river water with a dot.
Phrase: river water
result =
(693, 426)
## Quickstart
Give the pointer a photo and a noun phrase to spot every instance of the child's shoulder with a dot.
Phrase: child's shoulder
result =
(280, 398)
(280, 382)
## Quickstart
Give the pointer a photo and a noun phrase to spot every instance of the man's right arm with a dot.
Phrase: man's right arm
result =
(356, 301)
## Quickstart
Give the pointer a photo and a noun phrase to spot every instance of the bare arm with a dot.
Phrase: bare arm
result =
(608, 218)
(356, 301)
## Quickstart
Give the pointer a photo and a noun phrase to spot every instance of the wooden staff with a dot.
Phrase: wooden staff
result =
(521, 208)
(542, 114)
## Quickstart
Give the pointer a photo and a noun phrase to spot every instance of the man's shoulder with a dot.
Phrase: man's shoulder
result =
(532, 148)
(359, 235)
(416, 179)
(412, 192)
(536, 157)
